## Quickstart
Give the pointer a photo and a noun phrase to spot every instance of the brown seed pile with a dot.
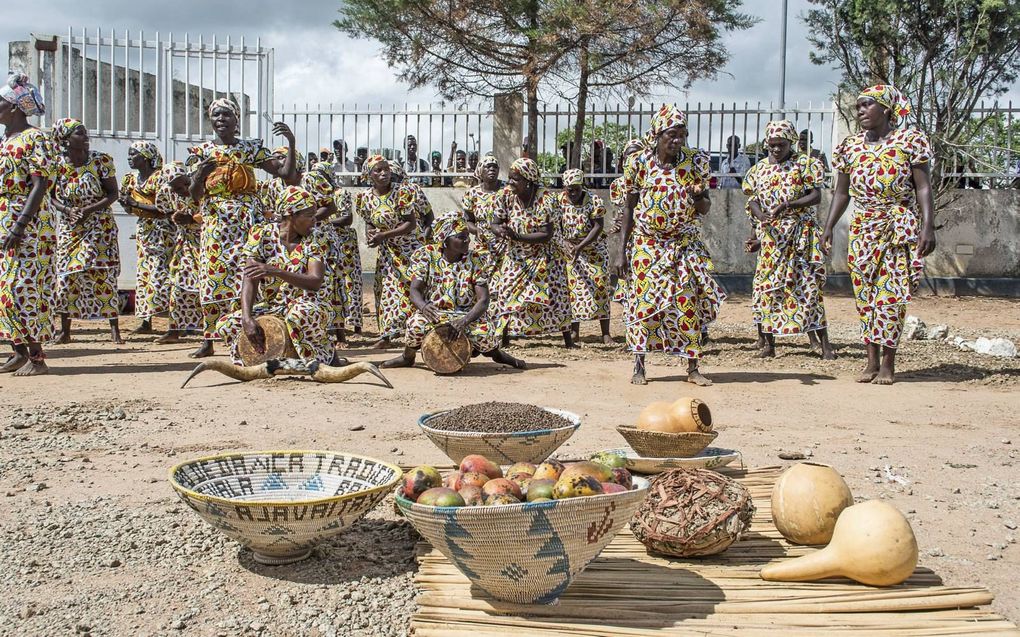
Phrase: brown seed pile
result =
(496, 417)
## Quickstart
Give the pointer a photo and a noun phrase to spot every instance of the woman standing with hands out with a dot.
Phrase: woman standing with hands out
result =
(223, 182)
(672, 292)
(790, 274)
(886, 171)
(26, 229)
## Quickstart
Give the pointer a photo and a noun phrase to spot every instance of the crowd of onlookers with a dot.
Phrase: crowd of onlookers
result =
(599, 163)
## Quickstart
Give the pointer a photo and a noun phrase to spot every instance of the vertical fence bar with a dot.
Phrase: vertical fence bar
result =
(201, 84)
(127, 76)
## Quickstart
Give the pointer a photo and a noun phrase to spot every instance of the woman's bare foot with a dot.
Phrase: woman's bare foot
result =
(884, 377)
(204, 350)
(503, 358)
(695, 377)
(62, 338)
(828, 354)
(171, 337)
(14, 363)
(867, 375)
(33, 368)
(607, 339)
(397, 361)
(382, 343)
(639, 378)
(766, 352)
(144, 328)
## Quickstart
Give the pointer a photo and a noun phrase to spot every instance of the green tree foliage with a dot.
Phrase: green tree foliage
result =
(945, 55)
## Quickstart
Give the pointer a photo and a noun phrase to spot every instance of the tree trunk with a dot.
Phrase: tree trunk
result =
(532, 97)
(582, 107)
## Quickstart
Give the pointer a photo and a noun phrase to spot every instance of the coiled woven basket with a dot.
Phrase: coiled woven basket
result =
(660, 444)
(281, 504)
(525, 553)
(503, 448)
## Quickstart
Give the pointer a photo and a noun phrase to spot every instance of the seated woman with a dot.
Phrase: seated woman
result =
(449, 284)
(288, 261)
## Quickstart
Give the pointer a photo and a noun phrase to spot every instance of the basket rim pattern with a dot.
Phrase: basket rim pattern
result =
(398, 475)
(569, 415)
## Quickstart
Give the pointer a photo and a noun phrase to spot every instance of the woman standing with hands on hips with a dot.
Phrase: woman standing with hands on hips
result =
(886, 171)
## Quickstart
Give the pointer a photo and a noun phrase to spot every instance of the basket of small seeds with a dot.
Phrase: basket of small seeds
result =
(505, 432)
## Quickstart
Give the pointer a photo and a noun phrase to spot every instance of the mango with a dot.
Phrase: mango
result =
(472, 495)
(612, 487)
(521, 467)
(540, 490)
(622, 477)
(453, 480)
(480, 464)
(600, 472)
(495, 500)
(441, 497)
(575, 486)
(463, 479)
(521, 480)
(611, 460)
(501, 486)
(548, 470)
(419, 480)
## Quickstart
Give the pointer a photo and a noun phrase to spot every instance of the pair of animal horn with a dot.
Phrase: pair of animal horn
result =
(289, 367)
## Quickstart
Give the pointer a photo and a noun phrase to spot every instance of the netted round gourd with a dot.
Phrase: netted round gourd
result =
(692, 512)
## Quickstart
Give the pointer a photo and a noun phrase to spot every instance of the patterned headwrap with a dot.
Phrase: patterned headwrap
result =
(483, 163)
(890, 97)
(573, 177)
(280, 152)
(149, 151)
(173, 170)
(397, 169)
(227, 103)
(23, 94)
(528, 169)
(447, 225)
(293, 199)
(62, 128)
(783, 129)
(634, 145)
(370, 163)
(664, 119)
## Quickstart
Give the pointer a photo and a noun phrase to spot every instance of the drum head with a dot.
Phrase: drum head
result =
(444, 351)
(278, 343)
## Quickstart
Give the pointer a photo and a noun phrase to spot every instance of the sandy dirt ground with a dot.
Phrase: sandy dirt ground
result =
(95, 542)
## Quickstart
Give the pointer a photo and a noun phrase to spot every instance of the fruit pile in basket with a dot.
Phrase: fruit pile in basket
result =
(479, 481)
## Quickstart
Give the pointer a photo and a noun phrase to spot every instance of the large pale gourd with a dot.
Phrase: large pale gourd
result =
(690, 415)
(806, 501)
(656, 417)
(872, 544)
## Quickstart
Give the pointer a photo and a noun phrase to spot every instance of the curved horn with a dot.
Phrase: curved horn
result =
(231, 370)
(328, 374)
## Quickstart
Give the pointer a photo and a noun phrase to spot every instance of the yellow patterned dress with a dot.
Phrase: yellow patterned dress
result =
(588, 272)
(790, 272)
(185, 262)
(28, 272)
(154, 241)
(392, 271)
(618, 197)
(306, 312)
(531, 296)
(479, 205)
(230, 208)
(450, 287)
(883, 262)
(673, 293)
(346, 260)
(88, 255)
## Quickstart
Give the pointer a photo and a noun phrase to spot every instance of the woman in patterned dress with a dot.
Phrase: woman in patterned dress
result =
(618, 197)
(790, 273)
(389, 211)
(345, 257)
(579, 235)
(449, 284)
(531, 281)
(29, 239)
(477, 204)
(88, 256)
(174, 200)
(672, 292)
(283, 276)
(223, 184)
(423, 207)
(886, 171)
(154, 236)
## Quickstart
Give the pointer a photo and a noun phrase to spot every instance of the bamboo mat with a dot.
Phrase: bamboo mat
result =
(626, 592)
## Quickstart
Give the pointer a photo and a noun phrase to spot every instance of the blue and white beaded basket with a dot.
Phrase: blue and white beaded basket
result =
(503, 448)
(280, 504)
(525, 553)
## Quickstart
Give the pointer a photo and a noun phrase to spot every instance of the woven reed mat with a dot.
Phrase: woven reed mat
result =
(627, 592)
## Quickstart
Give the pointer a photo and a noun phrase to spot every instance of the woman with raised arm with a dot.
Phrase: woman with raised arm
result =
(885, 169)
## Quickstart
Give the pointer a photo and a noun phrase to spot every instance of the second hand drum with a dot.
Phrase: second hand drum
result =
(445, 350)
(277, 338)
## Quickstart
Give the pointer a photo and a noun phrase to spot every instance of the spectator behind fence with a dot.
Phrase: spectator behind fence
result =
(437, 169)
(343, 164)
(472, 161)
(735, 163)
(360, 155)
(601, 162)
(457, 164)
(413, 163)
(804, 146)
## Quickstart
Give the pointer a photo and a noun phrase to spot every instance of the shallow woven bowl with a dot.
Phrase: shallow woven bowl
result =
(659, 444)
(525, 553)
(502, 448)
(280, 504)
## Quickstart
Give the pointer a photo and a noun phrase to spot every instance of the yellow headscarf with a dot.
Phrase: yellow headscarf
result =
(783, 129)
(573, 177)
(890, 97)
(293, 199)
(664, 119)
(528, 169)
(448, 225)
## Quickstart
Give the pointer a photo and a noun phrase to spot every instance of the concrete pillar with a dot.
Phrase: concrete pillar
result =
(507, 129)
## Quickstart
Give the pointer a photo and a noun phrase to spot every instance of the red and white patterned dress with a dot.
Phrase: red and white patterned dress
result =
(154, 241)
(588, 272)
(478, 205)
(883, 262)
(185, 265)
(346, 259)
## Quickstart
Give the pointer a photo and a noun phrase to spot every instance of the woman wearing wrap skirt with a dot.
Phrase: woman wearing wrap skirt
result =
(185, 271)
(390, 213)
(531, 281)
(27, 272)
(223, 184)
(345, 258)
(790, 272)
(88, 256)
(672, 292)
(478, 205)
(579, 236)
(154, 236)
(886, 171)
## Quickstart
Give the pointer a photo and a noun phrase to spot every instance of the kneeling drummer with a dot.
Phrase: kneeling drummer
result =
(449, 284)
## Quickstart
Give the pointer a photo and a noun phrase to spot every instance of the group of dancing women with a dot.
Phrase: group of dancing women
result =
(218, 248)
